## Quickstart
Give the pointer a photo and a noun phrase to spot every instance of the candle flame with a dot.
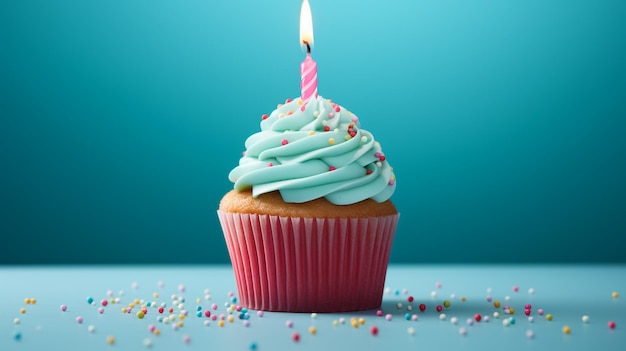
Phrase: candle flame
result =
(306, 24)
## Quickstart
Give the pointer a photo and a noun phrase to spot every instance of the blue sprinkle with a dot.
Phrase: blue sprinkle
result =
(244, 310)
(397, 292)
(17, 336)
(512, 320)
(199, 308)
(407, 317)
(148, 304)
(234, 299)
(246, 316)
(199, 313)
(253, 346)
(89, 300)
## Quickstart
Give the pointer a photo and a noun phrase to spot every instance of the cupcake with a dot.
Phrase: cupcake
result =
(309, 224)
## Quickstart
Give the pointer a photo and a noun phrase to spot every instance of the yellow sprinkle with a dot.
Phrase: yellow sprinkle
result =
(281, 115)
(157, 332)
(331, 141)
(355, 324)
(615, 294)
(33, 301)
(27, 301)
(220, 323)
(361, 320)
(549, 316)
(112, 300)
(299, 102)
(311, 132)
(312, 330)
(231, 319)
(181, 316)
(511, 310)
(279, 105)
(496, 304)
(144, 307)
(137, 302)
(329, 100)
(110, 340)
(140, 315)
(124, 310)
(198, 300)
(567, 329)
(335, 323)
(22, 310)
(155, 295)
(180, 323)
(131, 305)
(463, 298)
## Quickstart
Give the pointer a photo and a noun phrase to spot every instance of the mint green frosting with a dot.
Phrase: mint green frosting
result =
(295, 154)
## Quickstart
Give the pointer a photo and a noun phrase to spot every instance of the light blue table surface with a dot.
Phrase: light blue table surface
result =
(566, 291)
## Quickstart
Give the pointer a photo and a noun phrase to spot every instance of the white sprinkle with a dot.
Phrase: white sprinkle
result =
(486, 318)
(316, 113)
(134, 285)
(530, 334)
(442, 316)
(411, 331)
(16, 321)
(463, 331)
(488, 290)
(507, 298)
(454, 320)
(531, 291)
(91, 328)
(399, 305)
(496, 315)
(387, 290)
(409, 308)
(147, 342)
(506, 322)
(342, 320)
(452, 296)
(432, 293)
(469, 321)
(585, 319)
(531, 319)
(313, 315)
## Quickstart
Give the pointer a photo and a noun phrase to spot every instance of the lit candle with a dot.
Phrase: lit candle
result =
(308, 68)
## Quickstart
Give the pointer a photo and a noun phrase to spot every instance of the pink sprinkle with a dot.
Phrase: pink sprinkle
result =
(207, 313)
(284, 142)
(611, 325)
(104, 302)
(527, 306)
(289, 324)
(438, 285)
(134, 285)
(246, 323)
(63, 308)
(379, 313)
(160, 283)
(377, 154)
(101, 310)
(515, 288)
(222, 317)
(181, 288)
(214, 317)
(259, 313)
(354, 119)
(527, 311)
(388, 317)
(540, 311)
(79, 319)
(439, 308)
(489, 298)
(186, 339)
(109, 292)
(231, 294)
(414, 317)
(269, 164)
(302, 108)
(151, 327)
(214, 306)
(331, 115)
(337, 108)
(332, 168)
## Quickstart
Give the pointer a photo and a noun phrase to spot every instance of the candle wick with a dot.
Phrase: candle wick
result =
(308, 47)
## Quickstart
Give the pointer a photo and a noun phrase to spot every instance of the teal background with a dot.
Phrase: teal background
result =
(504, 121)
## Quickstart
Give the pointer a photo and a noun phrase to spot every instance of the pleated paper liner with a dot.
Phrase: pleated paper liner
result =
(295, 264)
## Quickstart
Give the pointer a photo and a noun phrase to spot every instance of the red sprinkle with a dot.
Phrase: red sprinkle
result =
(332, 168)
(410, 298)
(477, 317)
(422, 307)
(265, 116)
(170, 310)
(611, 325)
(382, 158)
(326, 128)
(284, 142)
(439, 308)
(374, 330)
(269, 164)
(288, 100)
(295, 337)
(337, 108)
(161, 309)
(368, 171)
(207, 313)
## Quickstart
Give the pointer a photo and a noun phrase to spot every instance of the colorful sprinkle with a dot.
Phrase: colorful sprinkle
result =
(312, 330)
(374, 330)
(549, 316)
(63, 308)
(611, 325)
(566, 329)
(295, 337)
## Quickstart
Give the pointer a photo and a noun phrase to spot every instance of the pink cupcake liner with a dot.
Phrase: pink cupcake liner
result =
(295, 264)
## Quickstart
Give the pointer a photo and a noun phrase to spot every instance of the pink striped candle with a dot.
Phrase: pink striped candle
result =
(308, 68)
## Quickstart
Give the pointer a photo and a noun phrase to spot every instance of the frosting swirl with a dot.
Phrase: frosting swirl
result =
(313, 151)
